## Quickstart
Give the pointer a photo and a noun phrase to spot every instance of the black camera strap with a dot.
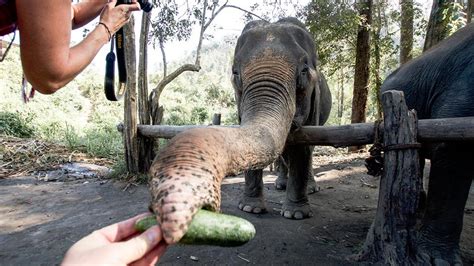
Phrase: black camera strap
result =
(109, 85)
(110, 93)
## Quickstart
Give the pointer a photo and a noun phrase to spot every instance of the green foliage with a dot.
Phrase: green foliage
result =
(453, 17)
(193, 98)
(77, 116)
(174, 21)
(334, 28)
(119, 170)
(12, 124)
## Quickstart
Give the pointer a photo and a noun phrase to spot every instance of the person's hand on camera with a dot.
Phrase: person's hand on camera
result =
(118, 244)
(114, 17)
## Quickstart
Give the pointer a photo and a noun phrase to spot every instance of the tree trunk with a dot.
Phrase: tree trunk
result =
(145, 145)
(130, 113)
(470, 9)
(340, 97)
(406, 31)
(436, 31)
(378, 58)
(392, 237)
(361, 75)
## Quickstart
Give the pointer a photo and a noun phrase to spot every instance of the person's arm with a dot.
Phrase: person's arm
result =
(45, 31)
(86, 11)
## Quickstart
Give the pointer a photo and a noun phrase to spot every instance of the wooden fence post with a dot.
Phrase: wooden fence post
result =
(216, 119)
(130, 100)
(392, 237)
(145, 145)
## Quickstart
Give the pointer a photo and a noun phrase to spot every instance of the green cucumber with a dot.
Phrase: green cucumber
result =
(210, 228)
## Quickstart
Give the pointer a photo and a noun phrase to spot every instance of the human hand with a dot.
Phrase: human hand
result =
(118, 244)
(114, 17)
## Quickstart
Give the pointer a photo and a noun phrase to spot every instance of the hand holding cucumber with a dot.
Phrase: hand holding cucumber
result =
(118, 244)
(139, 240)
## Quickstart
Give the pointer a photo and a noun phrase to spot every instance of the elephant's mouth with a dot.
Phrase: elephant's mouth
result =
(187, 174)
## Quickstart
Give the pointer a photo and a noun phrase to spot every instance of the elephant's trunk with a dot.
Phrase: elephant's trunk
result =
(187, 174)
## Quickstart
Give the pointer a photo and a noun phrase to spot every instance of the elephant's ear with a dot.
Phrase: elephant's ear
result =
(315, 112)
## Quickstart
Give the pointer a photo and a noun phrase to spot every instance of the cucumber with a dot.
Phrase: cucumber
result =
(210, 228)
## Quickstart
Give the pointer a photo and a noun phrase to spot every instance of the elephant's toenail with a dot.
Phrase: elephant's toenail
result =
(247, 208)
(298, 215)
(287, 214)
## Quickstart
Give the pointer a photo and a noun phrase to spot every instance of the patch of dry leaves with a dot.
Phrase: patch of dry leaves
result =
(25, 156)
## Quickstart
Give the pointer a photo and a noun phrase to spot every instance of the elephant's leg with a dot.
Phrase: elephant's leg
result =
(282, 171)
(252, 200)
(282, 174)
(448, 189)
(296, 205)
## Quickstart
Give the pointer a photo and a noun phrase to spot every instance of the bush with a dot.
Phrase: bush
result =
(103, 141)
(13, 124)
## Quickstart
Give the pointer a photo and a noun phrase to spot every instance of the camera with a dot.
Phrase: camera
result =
(145, 5)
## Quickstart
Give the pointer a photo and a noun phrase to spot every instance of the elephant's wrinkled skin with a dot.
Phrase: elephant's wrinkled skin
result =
(440, 84)
(259, 45)
(275, 74)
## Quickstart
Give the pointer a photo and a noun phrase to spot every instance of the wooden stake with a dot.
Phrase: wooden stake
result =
(392, 237)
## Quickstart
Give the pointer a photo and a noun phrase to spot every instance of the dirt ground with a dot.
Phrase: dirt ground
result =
(40, 220)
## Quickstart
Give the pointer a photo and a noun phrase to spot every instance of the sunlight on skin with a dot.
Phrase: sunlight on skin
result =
(267, 179)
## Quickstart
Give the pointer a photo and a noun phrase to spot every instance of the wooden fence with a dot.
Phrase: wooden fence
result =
(429, 130)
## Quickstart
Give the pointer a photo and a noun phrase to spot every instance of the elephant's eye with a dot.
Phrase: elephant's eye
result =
(236, 79)
(235, 73)
(305, 70)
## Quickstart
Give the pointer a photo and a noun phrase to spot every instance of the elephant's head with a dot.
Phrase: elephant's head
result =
(276, 83)
(275, 64)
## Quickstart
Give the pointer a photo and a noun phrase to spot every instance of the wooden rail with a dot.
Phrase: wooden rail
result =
(429, 130)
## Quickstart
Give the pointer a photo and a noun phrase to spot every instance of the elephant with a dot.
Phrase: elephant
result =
(276, 79)
(440, 84)
(313, 105)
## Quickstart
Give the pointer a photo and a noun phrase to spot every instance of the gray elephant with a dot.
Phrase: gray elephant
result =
(440, 84)
(278, 88)
(287, 38)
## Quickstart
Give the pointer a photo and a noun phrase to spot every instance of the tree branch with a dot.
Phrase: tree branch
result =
(162, 48)
(201, 34)
(246, 11)
(215, 14)
(167, 79)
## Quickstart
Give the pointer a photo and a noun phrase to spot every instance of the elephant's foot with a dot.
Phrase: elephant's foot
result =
(438, 252)
(280, 183)
(297, 211)
(252, 204)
